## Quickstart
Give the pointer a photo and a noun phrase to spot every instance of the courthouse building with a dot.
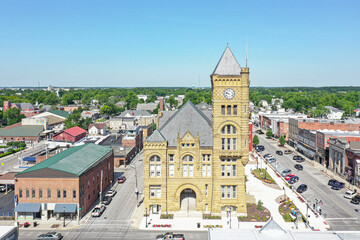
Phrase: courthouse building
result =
(196, 161)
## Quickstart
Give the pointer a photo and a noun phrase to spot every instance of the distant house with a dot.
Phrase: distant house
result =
(146, 106)
(121, 104)
(93, 114)
(263, 103)
(97, 129)
(25, 108)
(131, 118)
(204, 106)
(73, 134)
(335, 113)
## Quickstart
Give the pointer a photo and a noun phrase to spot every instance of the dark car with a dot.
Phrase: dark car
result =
(107, 200)
(298, 167)
(338, 186)
(296, 157)
(279, 152)
(302, 188)
(332, 182)
(260, 148)
(50, 235)
(300, 160)
(293, 180)
(356, 199)
(266, 155)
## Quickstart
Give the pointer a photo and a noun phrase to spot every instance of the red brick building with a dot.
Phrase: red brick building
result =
(70, 181)
(73, 134)
(250, 136)
(25, 108)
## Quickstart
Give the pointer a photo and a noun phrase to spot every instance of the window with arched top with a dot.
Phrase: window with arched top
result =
(155, 169)
(155, 158)
(228, 129)
(188, 158)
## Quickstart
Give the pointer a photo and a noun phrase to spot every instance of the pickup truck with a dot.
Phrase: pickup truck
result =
(170, 235)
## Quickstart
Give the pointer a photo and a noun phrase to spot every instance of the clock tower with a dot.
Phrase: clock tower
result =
(230, 126)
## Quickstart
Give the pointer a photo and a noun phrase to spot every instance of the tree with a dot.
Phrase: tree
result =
(282, 140)
(256, 140)
(12, 116)
(67, 99)
(106, 110)
(131, 100)
(269, 133)
(153, 125)
(51, 99)
(172, 101)
(259, 205)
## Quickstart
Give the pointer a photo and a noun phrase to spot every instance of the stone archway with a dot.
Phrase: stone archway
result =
(188, 200)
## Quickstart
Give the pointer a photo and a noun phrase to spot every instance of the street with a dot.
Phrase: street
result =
(338, 211)
(12, 161)
(115, 222)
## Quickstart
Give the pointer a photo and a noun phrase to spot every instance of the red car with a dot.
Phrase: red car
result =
(287, 178)
(121, 179)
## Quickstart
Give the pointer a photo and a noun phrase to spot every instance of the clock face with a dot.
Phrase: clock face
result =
(229, 93)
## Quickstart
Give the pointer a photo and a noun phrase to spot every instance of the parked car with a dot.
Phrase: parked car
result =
(279, 152)
(332, 182)
(285, 172)
(106, 200)
(267, 155)
(271, 160)
(302, 188)
(338, 186)
(260, 148)
(296, 157)
(293, 180)
(98, 210)
(170, 235)
(287, 151)
(121, 179)
(350, 194)
(50, 235)
(259, 132)
(111, 193)
(298, 167)
(287, 177)
(300, 160)
(356, 199)
(2, 188)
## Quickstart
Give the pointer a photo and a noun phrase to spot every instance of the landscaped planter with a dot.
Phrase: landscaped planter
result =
(212, 226)
(167, 216)
(161, 225)
(211, 217)
(255, 215)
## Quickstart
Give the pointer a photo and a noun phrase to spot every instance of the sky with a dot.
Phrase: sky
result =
(170, 43)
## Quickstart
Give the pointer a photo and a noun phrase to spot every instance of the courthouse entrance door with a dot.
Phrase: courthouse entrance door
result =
(188, 200)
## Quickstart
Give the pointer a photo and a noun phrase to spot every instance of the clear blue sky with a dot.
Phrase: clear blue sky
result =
(131, 43)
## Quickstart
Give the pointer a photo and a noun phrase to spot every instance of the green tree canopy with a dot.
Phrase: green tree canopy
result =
(282, 140)
(12, 116)
(256, 140)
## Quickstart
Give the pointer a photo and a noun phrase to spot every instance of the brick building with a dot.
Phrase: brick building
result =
(29, 133)
(352, 164)
(70, 181)
(73, 134)
(25, 108)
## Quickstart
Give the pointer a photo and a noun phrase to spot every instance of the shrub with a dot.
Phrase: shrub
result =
(11, 150)
(259, 205)
(22, 145)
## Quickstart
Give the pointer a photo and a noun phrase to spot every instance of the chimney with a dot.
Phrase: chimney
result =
(161, 104)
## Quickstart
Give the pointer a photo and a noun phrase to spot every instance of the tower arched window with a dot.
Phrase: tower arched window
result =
(228, 129)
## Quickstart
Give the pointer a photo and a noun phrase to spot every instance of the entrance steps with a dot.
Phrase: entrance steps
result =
(186, 214)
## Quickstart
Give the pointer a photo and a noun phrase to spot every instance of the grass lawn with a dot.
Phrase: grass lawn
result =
(261, 174)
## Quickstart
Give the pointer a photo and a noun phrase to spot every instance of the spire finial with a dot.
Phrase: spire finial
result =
(246, 50)
(227, 44)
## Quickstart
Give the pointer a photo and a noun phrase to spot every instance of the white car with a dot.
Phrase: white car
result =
(271, 160)
(98, 210)
(2, 188)
(350, 194)
(268, 157)
(111, 193)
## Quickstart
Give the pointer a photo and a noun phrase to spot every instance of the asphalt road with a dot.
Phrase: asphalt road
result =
(115, 221)
(338, 211)
(12, 161)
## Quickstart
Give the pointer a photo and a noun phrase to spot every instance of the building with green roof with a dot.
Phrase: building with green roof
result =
(22, 133)
(71, 180)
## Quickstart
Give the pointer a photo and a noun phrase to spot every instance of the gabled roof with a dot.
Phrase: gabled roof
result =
(75, 131)
(188, 118)
(271, 227)
(227, 65)
(75, 160)
(97, 125)
(129, 113)
(156, 137)
(23, 131)
(23, 106)
(60, 113)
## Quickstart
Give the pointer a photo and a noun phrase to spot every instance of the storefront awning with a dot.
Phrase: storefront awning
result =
(305, 150)
(29, 159)
(68, 207)
(28, 207)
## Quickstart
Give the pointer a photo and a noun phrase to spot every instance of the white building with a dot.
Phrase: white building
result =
(335, 113)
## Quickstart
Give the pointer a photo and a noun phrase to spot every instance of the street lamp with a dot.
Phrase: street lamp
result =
(136, 184)
(64, 218)
(284, 192)
(146, 214)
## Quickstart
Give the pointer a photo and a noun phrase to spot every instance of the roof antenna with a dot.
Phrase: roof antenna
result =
(246, 50)
(227, 44)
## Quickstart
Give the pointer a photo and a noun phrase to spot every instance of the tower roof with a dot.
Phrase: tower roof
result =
(227, 65)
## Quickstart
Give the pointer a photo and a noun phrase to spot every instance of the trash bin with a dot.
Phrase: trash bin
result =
(198, 225)
(35, 224)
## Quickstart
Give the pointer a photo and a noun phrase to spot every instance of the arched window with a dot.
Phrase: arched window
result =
(228, 129)
(155, 158)
(188, 158)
